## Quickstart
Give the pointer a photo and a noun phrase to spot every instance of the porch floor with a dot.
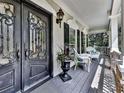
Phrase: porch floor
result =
(81, 81)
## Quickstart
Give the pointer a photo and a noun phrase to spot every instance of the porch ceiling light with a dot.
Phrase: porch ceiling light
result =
(60, 15)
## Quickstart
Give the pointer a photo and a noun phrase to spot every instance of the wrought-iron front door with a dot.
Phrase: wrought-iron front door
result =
(24, 46)
(35, 47)
(9, 46)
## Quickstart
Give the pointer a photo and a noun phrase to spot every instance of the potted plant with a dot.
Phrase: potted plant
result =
(65, 65)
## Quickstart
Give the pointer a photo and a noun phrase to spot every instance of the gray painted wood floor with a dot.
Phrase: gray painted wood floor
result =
(80, 83)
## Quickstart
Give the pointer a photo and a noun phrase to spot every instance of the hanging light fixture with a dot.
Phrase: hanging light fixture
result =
(60, 15)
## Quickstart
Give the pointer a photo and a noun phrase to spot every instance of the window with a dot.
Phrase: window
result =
(66, 38)
(71, 42)
(82, 42)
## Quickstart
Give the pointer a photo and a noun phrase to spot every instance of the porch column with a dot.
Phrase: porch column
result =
(109, 39)
(114, 34)
(76, 39)
(85, 41)
(85, 37)
(122, 18)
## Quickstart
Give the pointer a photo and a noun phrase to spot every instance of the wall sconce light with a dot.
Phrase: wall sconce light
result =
(59, 18)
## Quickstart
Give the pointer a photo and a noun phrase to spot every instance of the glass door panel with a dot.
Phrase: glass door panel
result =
(37, 37)
(6, 33)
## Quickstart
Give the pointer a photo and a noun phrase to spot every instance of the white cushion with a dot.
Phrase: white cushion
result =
(93, 52)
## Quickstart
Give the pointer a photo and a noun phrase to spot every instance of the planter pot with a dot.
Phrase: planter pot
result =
(65, 67)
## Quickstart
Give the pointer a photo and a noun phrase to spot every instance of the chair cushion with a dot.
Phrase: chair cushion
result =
(93, 52)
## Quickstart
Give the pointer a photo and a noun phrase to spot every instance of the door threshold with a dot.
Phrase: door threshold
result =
(37, 84)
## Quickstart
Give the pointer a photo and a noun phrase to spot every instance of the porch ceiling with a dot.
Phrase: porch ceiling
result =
(93, 13)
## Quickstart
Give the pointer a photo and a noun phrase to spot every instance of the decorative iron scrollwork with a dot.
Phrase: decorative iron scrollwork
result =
(37, 36)
(7, 14)
(6, 31)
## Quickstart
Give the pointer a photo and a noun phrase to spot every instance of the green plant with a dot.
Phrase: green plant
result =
(61, 56)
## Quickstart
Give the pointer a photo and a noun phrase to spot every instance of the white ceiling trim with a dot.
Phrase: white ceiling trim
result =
(73, 24)
(97, 31)
(45, 5)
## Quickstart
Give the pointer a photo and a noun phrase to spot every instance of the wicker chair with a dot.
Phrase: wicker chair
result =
(118, 80)
(119, 76)
(117, 83)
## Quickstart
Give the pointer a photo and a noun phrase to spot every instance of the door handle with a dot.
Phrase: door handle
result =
(17, 54)
(26, 53)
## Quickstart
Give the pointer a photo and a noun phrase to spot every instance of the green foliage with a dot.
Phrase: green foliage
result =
(98, 39)
(72, 40)
(61, 56)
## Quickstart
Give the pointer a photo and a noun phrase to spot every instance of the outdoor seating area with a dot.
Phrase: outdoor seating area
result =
(94, 54)
(87, 57)
(82, 59)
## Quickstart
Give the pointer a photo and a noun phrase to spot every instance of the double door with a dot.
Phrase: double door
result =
(24, 46)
